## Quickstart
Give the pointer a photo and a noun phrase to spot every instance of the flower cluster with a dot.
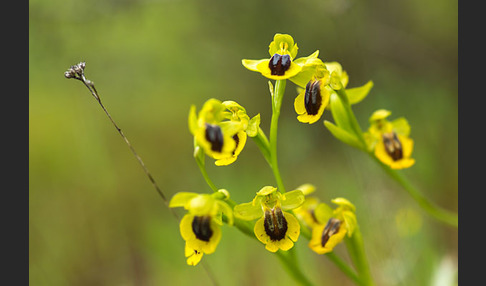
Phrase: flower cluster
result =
(276, 217)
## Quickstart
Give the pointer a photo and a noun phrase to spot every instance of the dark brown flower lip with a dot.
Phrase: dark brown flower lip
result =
(332, 227)
(201, 226)
(393, 146)
(279, 64)
(312, 97)
(275, 224)
(214, 135)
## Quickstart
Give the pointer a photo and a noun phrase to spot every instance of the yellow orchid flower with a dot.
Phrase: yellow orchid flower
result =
(275, 228)
(390, 141)
(221, 129)
(282, 63)
(333, 225)
(200, 227)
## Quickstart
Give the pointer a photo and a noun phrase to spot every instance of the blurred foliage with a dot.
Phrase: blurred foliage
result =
(95, 219)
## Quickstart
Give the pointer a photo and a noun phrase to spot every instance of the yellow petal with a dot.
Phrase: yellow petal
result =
(407, 145)
(264, 69)
(405, 162)
(306, 188)
(299, 103)
(210, 246)
(259, 230)
(316, 242)
(305, 118)
(402, 164)
(188, 251)
(225, 161)
(186, 227)
(285, 244)
(272, 246)
(335, 239)
(181, 199)
(293, 226)
(267, 190)
(380, 114)
(252, 64)
(193, 256)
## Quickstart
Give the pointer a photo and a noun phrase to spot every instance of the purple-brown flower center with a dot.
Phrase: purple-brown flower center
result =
(279, 64)
(275, 224)
(393, 146)
(332, 227)
(214, 135)
(201, 226)
(313, 98)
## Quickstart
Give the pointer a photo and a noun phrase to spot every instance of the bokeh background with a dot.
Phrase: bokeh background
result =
(94, 217)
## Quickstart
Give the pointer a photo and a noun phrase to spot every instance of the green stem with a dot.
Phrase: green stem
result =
(287, 258)
(244, 226)
(350, 114)
(435, 211)
(358, 256)
(432, 209)
(276, 104)
(262, 143)
(200, 162)
(344, 268)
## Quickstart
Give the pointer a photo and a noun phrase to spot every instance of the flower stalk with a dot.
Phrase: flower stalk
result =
(262, 142)
(200, 160)
(277, 98)
(435, 211)
(350, 115)
(287, 258)
(356, 250)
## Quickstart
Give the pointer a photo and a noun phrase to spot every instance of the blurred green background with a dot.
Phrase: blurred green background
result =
(95, 219)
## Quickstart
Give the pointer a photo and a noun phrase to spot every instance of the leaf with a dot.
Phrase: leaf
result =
(343, 135)
(357, 94)
(339, 112)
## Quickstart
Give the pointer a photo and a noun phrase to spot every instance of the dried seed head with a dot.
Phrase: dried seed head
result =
(75, 71)
(69, 73)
